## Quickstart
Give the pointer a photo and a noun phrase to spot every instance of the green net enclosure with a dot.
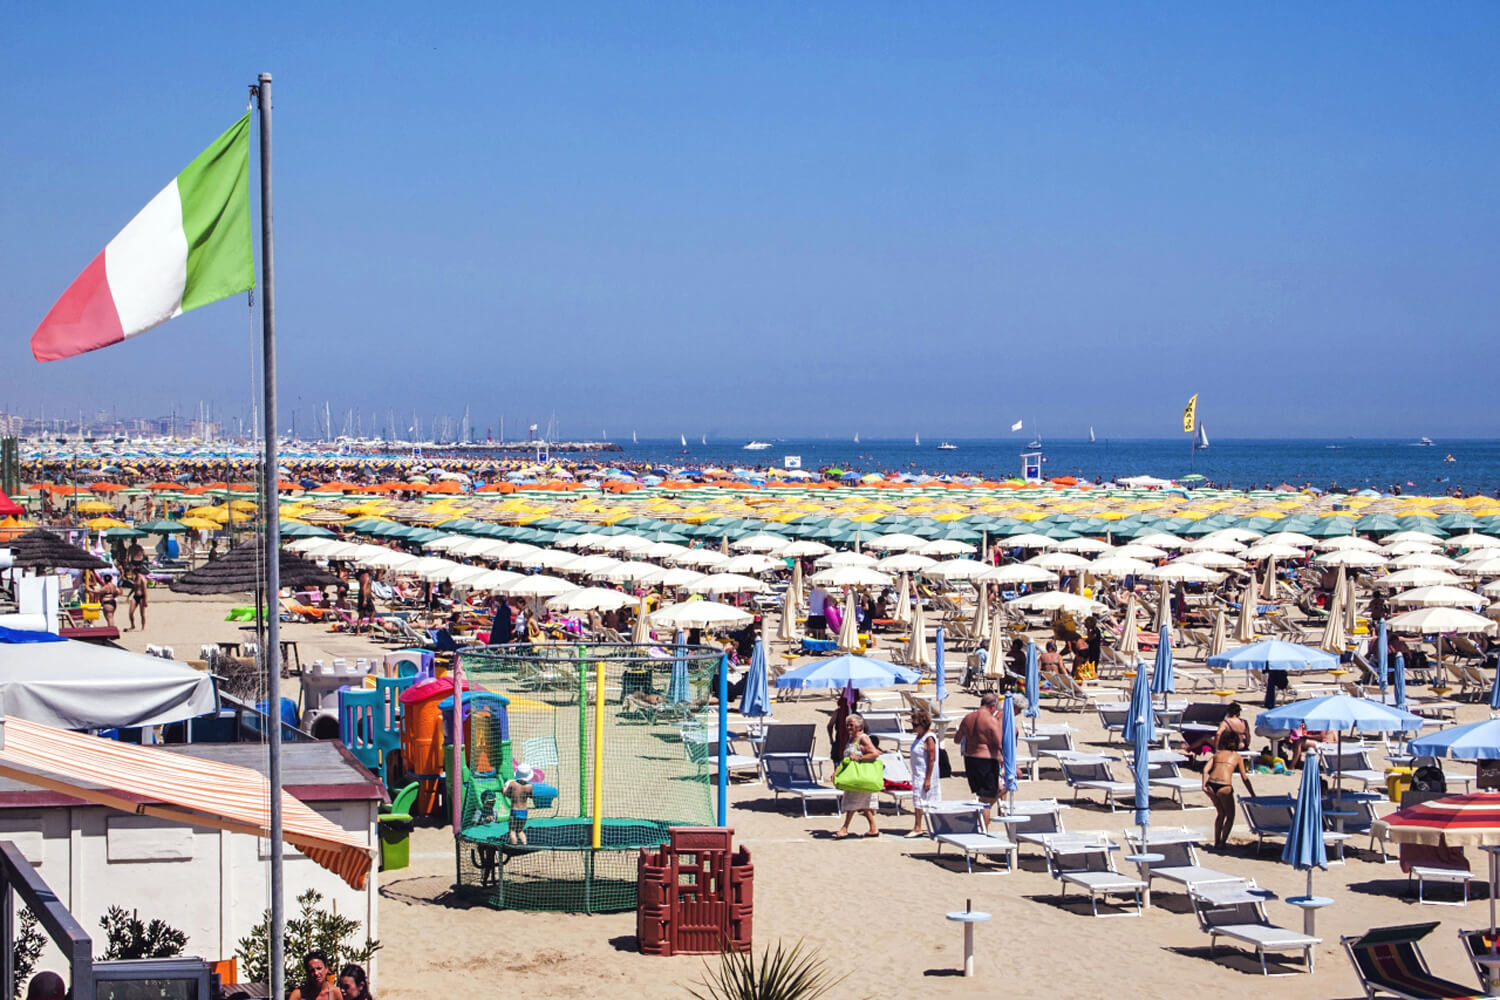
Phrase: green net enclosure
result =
(562, 736)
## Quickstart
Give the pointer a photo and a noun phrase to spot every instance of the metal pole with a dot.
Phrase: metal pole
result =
(271, 653)
(722, 814)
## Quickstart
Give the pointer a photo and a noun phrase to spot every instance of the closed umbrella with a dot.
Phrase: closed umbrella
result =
(1400, 683)
(756, 700)
(1143, 732)
(1008, 745)
(903, 599)
(1333, 628)
(939, 667)
(1244, 626)
(918, 649)
(1033, 686)
(1162, 680)
(1268, 586)
(1129, 643)
(1351, 602)
(1382, 650)
(1495, 694)
(640, 632)
(786, 630)
(1163, 617)
(1305, 849)
(982, 612)
(1140, 706)
(1219, 640)
(996, 648)
(849, 627)
(793, 597)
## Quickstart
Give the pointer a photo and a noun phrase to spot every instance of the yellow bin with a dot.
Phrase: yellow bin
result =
(1397, 781)
(91, 612)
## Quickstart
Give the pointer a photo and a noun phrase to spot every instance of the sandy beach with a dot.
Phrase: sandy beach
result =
(873, 908)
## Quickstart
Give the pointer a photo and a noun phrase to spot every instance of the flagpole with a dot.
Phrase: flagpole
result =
(270, 508)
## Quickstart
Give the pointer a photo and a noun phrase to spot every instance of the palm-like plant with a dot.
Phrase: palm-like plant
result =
(779, 974)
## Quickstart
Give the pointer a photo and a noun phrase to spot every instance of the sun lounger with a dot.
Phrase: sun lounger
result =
(1237, 912)
(1449, 876)
(1179, 863)
(1087, 773)
(963, 827)
(1388, 961)
(786, 774)
(897, 772)
(1479, 944)
(1271, 816)
(1088, 863)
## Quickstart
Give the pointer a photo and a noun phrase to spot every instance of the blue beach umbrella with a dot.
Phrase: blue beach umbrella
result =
(849, 670)
(1382, 650)
(1495, 693)
(1400, 682)
(1275, 654)
(1340, 713)
(756, 701)
(678, 689)
(1304, 848)
(1008, 742)
(1474, 741)
(1142, 728)
(1033, 686)
(1162, 680)
(940, 684)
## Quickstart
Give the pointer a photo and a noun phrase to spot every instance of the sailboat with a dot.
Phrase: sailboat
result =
(1091, 434)
(918, 439)
(632, 438)
(683, 438)
(1201, 444)
(703, 440)
(856, 437)
(1035, 442)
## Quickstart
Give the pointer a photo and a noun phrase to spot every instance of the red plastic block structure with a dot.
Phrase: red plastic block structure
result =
(694, 895)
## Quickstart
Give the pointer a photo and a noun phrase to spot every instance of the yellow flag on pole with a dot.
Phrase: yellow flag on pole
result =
(1190, 415)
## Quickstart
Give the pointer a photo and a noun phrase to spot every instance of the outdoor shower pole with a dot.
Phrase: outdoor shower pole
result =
(271, 653)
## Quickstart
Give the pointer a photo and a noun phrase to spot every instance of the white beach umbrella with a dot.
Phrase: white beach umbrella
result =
(1059, 562)
(1342, 542)
(1084, 546)
(1030, 540)
(640, 631)
(1163, 618)
(465, 576)
(1438, 597)
(1219, 638)
(670, 577)
(1178, 571)
(1480, 568)
(1054, 600)
(493, 580)
(1295, 539)
(1406, 578)
(1476, 555)
(622, 572)
(750, 562)
(1357, 558)
(1492, 588)
(956, 569)
(793, 596)
(1135, 550)
(591, 599)
(1333, 628)
(803, 547)
(1116, 567)
(996, 649)
(1394, 549)
(903, 599)
(1212, 559)
(389, 559)
(701, 558)
(844, 559)
(1268, 549)
(1473, 540)
(539, 585)
(1214, 543)
(918, 648)
(849, 576)
(661, 551)
(944, 547)
(589, 565)
(1410, 537)
(981, 625)
(759, 543)
(1424, 560)
(897, 542)
(1244, 625)
(727, 583)
(447, 543)
(1015, 574)
(699, 614)
(1242, 535)
(905, 562)
(1161, 540)
(786, 629)
(1129, 643)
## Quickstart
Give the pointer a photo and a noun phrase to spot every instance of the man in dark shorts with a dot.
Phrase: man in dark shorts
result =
(978, 738)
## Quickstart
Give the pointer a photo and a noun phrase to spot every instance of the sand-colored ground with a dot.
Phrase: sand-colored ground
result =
(873, 908)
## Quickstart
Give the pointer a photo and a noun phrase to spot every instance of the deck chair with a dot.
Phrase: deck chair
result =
(1112, 718)
(963, 827)
(1237, 913)
(887, 730)
(1089, 863)
(1043, 823)
(897, 772)
(1477, 944)
(1093, 774)
(787, 774)
(1179, 864)
(1168, 776)
(1353, 763)
(1272, 815)
(702, 747)
(1387, 960)
(1067, 693)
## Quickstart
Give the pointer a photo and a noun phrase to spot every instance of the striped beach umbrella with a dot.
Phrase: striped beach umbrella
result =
(1454, 820)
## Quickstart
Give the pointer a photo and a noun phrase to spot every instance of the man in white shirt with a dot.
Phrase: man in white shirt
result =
(817, 617)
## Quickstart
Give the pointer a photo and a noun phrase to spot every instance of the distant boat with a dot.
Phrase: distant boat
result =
(918, 439)
(1425, 442)
(945, 446)
(703, 440)
(632, 438)
(683, 438)
(1091, 434)
(1202, 443)
(856, 437)
(757, 446)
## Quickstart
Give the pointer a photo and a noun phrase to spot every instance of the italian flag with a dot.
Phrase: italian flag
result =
(190, 245)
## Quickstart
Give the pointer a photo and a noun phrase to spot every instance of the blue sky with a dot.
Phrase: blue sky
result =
(764, 219)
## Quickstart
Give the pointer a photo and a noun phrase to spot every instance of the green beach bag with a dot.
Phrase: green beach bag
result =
(859, 776)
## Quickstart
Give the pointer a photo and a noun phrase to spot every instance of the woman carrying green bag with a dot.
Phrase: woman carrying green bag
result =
(859, 776)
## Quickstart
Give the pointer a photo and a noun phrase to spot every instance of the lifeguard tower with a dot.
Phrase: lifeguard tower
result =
(1031, 467)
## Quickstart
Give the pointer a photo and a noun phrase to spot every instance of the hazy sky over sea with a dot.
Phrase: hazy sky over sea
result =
(763, 219)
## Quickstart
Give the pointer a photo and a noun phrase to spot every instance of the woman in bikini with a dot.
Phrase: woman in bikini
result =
(1218, 783)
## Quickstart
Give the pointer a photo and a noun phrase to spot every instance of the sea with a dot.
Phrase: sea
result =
(1350, 463)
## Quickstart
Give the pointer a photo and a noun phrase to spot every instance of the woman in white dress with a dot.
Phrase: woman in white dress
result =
(926, 790)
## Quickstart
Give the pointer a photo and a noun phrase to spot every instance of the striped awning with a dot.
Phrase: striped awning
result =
(1454, 820)
(150, 781)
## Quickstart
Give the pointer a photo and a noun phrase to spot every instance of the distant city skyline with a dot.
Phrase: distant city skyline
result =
(786, 221)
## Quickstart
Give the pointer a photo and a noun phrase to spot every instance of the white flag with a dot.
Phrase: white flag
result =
(1016, 426)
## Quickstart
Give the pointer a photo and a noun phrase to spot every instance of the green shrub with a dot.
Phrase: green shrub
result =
(27, 948)
(313, 929)
(127, 937)
(781, 974)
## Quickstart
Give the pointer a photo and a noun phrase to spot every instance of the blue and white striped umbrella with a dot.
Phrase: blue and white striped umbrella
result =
(756, 701)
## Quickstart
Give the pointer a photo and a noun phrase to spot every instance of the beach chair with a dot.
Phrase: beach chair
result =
(1053, 741)
(702, 747)
(792, 775)
(1479, 944)
(963, 827)
(1067, 694)
(1179, 864)
(1388, 961)
(1093, 774)
(1043, 824)
(897, 772)
(1363, 822)
(1353, 764)
(1167, 775)
(1237, 912)
(1112, 718)
(887, 730)
(1089, 864)
(1272, 815)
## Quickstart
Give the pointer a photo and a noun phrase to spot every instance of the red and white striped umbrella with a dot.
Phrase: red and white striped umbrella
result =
(1454, 820)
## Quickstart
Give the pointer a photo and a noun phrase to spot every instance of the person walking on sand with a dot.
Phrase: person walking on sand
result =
(1218, 784)
(135, 582)
(858, 747)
